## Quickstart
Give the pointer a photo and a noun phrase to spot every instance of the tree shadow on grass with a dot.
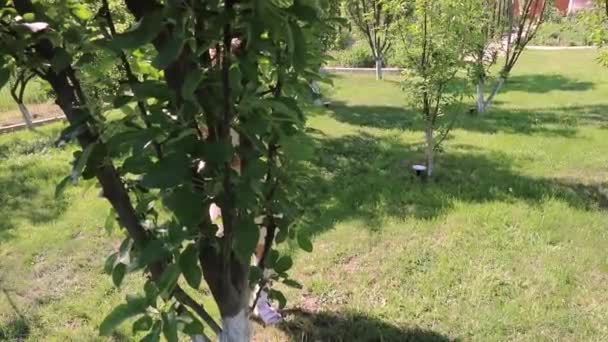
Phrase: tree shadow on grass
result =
(27, 194)
(16, 329)
(538, 83)
(302, 326)
(561, 121)
(369, 178)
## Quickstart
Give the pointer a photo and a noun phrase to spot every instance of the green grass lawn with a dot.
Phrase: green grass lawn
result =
(508, 243)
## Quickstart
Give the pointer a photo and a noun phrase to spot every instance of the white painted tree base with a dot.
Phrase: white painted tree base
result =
(236, 328)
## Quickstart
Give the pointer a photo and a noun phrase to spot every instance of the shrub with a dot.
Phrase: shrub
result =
(357, 56)
(569, 31)
(344, 40)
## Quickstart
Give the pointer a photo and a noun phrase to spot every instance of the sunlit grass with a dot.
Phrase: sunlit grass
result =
(508, 243)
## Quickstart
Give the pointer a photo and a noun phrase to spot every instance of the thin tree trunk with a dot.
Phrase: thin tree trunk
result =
(481, 102)
(495, 90)
(26, 116)
(379, 68)
(429, 149)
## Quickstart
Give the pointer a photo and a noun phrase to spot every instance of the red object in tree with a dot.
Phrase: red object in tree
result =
(535, 10)
(575, 5)
(565, 6)
(562, 5)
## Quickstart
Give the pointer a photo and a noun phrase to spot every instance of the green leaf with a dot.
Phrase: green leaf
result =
(284, 110)
(271, 258)
(170, 326)
(121, 313)
(191, 83)
(81, 12)
(141, 33)
(142, 324)
(121, 101)
(292, 283)
(85, 60)
(168, 279)
(278, 296)
(29, 17)
(283, 264)
(151, 292)
(154, 251)
(178, 233)
(298, 147)
(186, 205)
(169, 53)
(304, 12)
(217, 153)
(290, 39)
(135, 140)
(151, 89)
(154, 335)
(110, 222)
(235, 78)
(136, 164)
(246, 239)
(75, 128)
(194, 327)
(170, 171)
(95, 159)
(110, 262)
(304, 242)
(299, 45)
(82, 162)
(255, 275)
(118, 274)
(60, 188)
(61, 60)
(125, 248)
(281, 235)
(189, 265)
(5, 75)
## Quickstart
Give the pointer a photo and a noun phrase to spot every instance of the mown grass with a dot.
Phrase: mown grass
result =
(507, 243)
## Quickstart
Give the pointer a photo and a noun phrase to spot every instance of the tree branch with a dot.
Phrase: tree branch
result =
(188, 301)
(105, 8)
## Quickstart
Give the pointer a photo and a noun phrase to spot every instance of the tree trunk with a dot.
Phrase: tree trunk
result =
(495, 90)
(379, 68)
(430, 147)
(26, 116)
(481, 102)
(236, 328)
(231, 292)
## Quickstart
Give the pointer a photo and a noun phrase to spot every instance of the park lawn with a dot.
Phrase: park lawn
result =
(508, 242)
